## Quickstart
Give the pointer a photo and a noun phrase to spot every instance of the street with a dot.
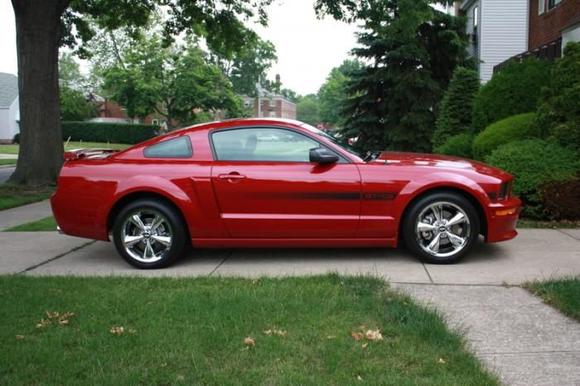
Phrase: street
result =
(5, 173)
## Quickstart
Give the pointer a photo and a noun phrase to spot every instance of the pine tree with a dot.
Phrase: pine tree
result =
(412, 50)
(456, 110)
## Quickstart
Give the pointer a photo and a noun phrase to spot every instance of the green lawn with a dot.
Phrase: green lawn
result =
(43, 225)
(211, 331)
(7, 162)
(13, 149)
(563, 294)
(14, 195)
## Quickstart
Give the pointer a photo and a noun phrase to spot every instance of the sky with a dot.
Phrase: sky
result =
(307, 48)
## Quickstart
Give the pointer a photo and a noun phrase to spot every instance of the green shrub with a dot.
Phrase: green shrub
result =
(108, 132)
(560, 111)
(516, 89)
(507, 130)
(561, 199)
(534, 163)
(458, 145)
(457, 106)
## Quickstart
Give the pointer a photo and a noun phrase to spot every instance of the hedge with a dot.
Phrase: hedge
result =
(560, 111)
(511, 129)
(535, 163)
(456, 109)
(108, 132)
(516, 89)
(458, 145)
(561, 199)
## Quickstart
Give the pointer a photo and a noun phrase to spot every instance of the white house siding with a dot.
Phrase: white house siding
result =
(503, 32)
(4, 124)
(9, 118)
(14, 118)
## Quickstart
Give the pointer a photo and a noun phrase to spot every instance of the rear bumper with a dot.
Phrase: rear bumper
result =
(502, 220)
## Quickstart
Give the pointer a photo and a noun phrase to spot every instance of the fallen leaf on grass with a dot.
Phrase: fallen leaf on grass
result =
(62, 319)
(331, 337)
(359, 378)
(442, 361)
(249, 342)
(373, 335)
(370, 335)
(120, 330)
(357, 335)
(19, 337)
(364, 345)
(117, 330)
(276, 332)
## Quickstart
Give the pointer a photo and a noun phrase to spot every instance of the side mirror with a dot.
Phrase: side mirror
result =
(323, 156)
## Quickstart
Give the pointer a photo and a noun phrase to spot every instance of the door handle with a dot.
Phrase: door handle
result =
(231, 176)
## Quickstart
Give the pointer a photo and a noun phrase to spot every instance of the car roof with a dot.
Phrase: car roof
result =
(244, 121)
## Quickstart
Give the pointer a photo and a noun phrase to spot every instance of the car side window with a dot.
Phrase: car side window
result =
(179, 147)
(262, 144)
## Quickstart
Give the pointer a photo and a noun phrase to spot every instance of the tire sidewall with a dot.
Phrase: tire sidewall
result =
(177, 226)
(411, 217)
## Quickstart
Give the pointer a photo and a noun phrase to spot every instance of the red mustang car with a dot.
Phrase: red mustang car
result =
(278, 183)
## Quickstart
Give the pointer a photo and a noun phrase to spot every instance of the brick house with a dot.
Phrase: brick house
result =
(273, 106)
(551, 25)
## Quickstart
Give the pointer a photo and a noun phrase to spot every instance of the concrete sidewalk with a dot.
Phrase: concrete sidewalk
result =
(517, 336)
(23, 214)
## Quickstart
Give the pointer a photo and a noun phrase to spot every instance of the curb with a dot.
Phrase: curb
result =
(7, 166)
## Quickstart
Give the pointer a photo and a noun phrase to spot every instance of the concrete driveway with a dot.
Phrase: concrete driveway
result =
(535, 254)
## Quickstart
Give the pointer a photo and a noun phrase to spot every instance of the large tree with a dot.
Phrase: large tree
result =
(332, 94)
(411, 50)
(249, 65)
(177, 82)
(42, 26)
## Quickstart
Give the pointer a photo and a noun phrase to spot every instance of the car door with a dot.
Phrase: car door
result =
(266, 187)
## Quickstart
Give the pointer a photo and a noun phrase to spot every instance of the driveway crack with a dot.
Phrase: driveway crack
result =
(33, 267)
(228, 255)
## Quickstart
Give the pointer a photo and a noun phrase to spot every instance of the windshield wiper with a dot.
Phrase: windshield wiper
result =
(371, 156)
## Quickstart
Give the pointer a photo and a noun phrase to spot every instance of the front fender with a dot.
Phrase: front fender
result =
(440, 180)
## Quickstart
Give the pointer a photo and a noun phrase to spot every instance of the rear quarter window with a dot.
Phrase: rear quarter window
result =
(173, 148)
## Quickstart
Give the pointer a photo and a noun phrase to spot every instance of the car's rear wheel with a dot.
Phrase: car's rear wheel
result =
(149, 234)
(441, 227)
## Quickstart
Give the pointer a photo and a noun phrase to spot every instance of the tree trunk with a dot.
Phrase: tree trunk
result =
(37, 38)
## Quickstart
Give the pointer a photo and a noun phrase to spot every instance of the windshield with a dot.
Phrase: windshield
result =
(343, 143)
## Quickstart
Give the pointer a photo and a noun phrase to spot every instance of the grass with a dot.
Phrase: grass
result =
(12, 196)
(192, 331)
(563, 294)
(13, 149)
(7, 162)
(528, 223)
(43, 225)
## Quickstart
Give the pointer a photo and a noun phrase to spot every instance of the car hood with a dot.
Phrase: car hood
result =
(440, 162)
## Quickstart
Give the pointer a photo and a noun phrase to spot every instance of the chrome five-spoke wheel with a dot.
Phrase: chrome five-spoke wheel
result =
(149, 233)
(441, 227)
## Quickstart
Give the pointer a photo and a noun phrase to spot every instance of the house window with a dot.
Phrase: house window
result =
(475, 18)
(546, 5)
(155, 122)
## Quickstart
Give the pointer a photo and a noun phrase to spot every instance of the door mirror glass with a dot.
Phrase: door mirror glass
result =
(323, 156)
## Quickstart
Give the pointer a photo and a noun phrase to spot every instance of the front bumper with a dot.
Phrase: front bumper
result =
(502, 218)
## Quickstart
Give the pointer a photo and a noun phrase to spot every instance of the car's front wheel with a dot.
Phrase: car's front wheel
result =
(441, 227)
(149, 234)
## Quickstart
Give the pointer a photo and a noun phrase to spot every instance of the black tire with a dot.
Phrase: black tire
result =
(416, 243)
(173, 226)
